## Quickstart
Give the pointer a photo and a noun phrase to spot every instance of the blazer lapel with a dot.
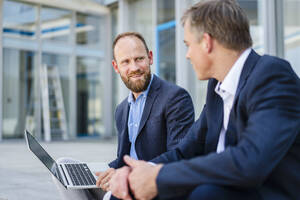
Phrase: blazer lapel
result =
(214, 105)
(152, 94)
(248, 66)
(125, 145)
(231, 133)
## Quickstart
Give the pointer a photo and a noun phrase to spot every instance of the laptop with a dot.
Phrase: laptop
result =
(71, 176)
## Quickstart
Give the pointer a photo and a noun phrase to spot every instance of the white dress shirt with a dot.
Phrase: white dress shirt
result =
(226, 90)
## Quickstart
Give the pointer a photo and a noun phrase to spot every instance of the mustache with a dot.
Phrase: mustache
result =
(138, 72)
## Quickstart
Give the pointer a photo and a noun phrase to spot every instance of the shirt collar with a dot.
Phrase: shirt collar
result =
(231, 80)
(130, 98)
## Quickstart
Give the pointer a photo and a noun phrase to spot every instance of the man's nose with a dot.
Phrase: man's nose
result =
(187, 55)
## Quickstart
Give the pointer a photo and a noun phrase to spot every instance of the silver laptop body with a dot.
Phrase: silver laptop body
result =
(70, 175)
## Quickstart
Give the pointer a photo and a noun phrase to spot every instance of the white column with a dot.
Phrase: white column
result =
(273, 27)
(184, 71)
(72, 128)
(123, 25)
(154, 36)
(1, 69)
(107, 77)
(37, 87)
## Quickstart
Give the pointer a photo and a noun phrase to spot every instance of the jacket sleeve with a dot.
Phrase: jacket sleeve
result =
(192, 144)
(179, 117)
(116, 163)
(272, 107)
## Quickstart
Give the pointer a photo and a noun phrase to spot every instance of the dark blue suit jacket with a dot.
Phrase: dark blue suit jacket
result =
(262, 140)
(167, 116)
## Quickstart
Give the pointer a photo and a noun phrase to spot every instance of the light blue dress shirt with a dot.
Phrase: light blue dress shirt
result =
(135, 116)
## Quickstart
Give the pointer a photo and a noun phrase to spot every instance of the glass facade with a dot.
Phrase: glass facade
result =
(19, 20)
(70, 41)
(18, 92)
(165, 36)
(89, 97)
(292, 33)
(165, 53)
(140, 19)
(165, 11)
(55, 25)
(115, 77)
(88, 31)
(76, 43)
(254, 11)
(61, 62)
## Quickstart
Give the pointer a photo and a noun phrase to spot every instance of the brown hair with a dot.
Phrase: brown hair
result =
(129, 34)
(223, 20)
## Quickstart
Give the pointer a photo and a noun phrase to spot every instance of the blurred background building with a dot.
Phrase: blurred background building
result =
(74, 37)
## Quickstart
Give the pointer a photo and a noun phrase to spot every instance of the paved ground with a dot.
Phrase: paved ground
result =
(23, 177)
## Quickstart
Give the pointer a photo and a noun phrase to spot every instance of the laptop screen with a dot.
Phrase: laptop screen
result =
(38, 150)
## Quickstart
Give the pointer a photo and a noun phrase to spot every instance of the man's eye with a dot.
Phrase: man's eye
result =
(125, 62)
(140, 58)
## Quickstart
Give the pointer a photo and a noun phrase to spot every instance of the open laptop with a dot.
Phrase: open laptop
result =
(71, 176)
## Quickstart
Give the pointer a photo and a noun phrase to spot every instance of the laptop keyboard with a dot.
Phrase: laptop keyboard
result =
(80, 174)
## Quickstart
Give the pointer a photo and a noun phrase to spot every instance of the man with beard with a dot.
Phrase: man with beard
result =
(153, 119)
(155, 116)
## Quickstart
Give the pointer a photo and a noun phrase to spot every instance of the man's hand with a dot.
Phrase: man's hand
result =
(142, 178)
(118, 184)
(104, 178)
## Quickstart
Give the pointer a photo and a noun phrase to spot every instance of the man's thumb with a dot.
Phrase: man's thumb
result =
(130, 161)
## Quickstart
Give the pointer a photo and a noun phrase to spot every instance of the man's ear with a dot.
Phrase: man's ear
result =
(150, 56)
(115, 66)
(207, 42)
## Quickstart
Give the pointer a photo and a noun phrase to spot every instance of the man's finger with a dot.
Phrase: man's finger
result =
(102, 175)
(106, 179)
(130, 161)
(98, 173)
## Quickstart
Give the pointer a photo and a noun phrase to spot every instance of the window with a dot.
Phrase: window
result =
(55, 24)
(292, 33)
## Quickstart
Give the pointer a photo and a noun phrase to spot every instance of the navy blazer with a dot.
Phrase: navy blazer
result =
(166, 118)
(262, 140)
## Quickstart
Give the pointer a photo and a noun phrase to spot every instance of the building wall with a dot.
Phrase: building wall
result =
(79, 45)
(266, 24)
(40, 36)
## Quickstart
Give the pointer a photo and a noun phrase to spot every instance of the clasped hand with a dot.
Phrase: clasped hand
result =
(138, 176)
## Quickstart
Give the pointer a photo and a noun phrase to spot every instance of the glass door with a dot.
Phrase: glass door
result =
(18, 92)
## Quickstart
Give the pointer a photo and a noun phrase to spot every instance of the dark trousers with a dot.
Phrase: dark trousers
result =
(214, 192)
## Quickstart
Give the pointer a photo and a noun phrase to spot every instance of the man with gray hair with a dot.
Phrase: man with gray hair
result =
(246, 142)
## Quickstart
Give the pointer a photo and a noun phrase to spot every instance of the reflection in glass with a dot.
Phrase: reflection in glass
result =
(292, 33)
(55, 24)
(166, 54)
(62, 64)
(18, 92)
(165, 11)
(88, 31)
(253, 11)
(89, 97)
(19, 20)
(114, 25)
(140, 19)
(165, 36)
